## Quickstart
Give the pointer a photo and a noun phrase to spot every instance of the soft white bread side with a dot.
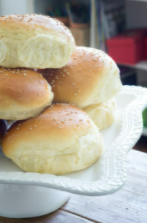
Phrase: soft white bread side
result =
(61, 140)
(90, 77)
(103, 115)
(23, 94)
(34, 41)
(3, 129)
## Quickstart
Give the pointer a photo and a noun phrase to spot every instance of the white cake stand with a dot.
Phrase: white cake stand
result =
(24, 195)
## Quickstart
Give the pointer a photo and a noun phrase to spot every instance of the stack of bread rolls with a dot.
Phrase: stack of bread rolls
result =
(90, 80)
(59, 96)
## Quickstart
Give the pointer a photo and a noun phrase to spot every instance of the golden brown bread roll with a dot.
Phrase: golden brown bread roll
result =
(23, 93)
(103, 115)
(61, 140)
(90, 77)
(34, 41)
(3, 129)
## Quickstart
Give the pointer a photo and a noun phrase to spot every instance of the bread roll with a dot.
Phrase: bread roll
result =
(23, 94)
(103, 115)
(3, 129)
(34, 41)
(90, 77)
(61, 140)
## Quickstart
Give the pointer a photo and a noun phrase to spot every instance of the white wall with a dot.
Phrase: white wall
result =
(8, 7)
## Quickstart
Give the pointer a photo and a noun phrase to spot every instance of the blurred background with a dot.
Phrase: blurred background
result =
(118, 27)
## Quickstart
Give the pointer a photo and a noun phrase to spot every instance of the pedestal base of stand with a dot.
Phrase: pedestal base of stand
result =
(23, 201)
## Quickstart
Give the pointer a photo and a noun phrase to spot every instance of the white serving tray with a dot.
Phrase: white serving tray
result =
(104, 177)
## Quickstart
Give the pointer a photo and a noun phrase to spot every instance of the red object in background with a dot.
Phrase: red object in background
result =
(145, 48)
(127, 48)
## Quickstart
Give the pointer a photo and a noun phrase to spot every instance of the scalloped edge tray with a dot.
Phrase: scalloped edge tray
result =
(114, 162)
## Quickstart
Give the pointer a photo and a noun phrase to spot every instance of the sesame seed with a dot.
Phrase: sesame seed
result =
(30, 128)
